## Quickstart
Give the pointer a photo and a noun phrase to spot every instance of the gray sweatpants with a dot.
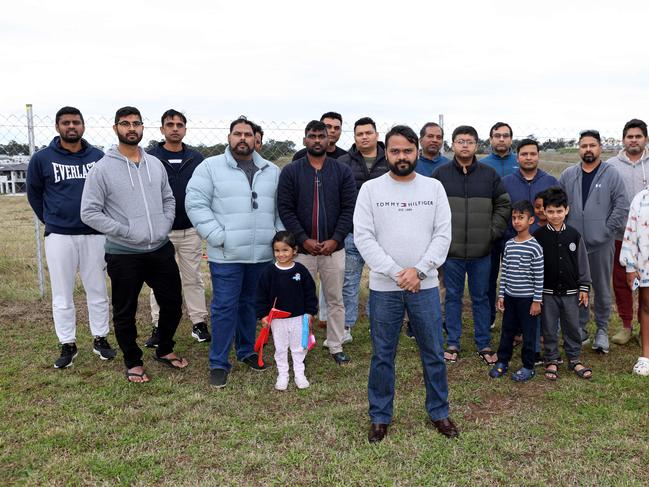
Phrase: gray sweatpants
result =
(601, 272)
(566, 310)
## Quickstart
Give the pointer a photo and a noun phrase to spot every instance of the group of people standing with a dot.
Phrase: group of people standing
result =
(421, 222)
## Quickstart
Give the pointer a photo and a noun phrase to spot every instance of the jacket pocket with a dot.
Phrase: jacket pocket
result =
(138, 231)
(161, 227)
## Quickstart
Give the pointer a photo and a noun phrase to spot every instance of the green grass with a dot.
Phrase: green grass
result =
(87, 426)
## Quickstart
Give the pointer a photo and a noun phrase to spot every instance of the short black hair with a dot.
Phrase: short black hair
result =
(497, 125)
(364, 121)
(523, 206)
(465, 130)
(525, 142)
(540, 195)
(315, 126)
(555, 196)
(284, 236)
(422, 132)
(256, 129)
(171, 113)
(334, 115)
(635, 124)
(243, 119)
(404, 131)
(590, 133)
(125, 112)
(75, 111)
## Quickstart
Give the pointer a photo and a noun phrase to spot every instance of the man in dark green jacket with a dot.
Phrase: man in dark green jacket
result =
(480, 209)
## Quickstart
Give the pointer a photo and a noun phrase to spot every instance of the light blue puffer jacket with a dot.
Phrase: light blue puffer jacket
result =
(219, 203)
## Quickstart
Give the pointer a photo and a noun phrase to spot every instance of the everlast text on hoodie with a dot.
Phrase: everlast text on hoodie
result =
(55, 181)
(132, 204)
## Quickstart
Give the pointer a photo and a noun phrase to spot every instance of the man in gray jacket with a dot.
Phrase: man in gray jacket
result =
(127, 197)
(632, 163)
(598, 206)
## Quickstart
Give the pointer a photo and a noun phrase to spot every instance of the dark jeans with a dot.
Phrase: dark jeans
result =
(386, 319)
(517, 317)
(128, 272)
(496, 254)
(234, 288)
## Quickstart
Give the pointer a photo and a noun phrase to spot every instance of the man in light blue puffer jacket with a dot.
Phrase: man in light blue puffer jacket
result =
(231, 200)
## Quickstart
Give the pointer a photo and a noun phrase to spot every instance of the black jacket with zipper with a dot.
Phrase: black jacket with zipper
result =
(354, 159)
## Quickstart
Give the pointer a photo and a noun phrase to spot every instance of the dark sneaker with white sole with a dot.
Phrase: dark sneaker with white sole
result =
(253, 363)
(102, 348)
(68, 353)
(218, 378)
(200, 333)
(154, 339)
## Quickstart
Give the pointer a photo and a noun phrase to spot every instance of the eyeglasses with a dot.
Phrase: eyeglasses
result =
(468, 143)
(255, 205)
(126, 124)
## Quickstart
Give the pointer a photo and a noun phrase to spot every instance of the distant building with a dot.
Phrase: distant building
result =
(13, 177)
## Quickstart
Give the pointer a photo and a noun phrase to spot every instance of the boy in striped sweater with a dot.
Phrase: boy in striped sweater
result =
(521, 293)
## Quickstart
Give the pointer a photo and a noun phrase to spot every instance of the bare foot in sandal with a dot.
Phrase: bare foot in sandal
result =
(136, 374)
(450, 355)
(172, 360)
(551, 372)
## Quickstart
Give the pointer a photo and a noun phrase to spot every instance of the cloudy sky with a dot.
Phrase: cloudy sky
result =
(549, 68)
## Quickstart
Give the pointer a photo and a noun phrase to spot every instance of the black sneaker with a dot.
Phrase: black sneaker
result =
(218, 378)
(102, 348)
(341, 358)
(253, 363)
(199, 331)
(154, 340)
(68, 353)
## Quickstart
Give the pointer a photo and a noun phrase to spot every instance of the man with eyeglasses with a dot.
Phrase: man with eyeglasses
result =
(315, 200)
(231, 200)
(480, 210)
(180, 161)
(599, 206)
(632, 162)
(127, 197)
(334, 123)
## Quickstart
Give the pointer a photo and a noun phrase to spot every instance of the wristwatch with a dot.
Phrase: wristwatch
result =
(421, 275)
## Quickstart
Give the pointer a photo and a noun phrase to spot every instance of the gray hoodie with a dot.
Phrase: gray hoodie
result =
(606, 207)
(132, 204)
(634, 174)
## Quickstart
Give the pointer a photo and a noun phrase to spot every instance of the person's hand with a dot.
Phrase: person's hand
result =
(264, 321)
(312, 246)
(583, 298)
(328, 247)
(500, 306)
(407, 280)
(630, 277)
(535, 309)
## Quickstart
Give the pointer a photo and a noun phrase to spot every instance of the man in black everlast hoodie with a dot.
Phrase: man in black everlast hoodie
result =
(180, 162)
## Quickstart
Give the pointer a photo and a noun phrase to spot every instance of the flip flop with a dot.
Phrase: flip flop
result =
(135, 374)
(454, 352)
(169, 362)
(483, 355)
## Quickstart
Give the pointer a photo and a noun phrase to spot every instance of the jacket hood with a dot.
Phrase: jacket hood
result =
(114, 153)
(540, 173)
(624, 158)
(55, 145)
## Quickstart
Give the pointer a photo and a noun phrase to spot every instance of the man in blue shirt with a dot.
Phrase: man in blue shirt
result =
(431, 138)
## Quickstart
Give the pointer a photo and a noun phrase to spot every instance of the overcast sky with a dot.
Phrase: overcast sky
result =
(548, 67)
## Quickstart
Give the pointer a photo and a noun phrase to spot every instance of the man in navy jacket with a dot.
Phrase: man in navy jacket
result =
(315, 201)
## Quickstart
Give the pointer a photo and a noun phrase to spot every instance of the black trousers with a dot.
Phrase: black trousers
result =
(128, 272)
(517, 317)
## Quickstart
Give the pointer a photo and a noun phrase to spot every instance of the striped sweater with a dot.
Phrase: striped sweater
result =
(522, 270)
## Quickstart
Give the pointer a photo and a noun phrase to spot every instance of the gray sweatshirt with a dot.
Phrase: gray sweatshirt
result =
(402, 224)
(606, 209)
(132, 204)
(634, 174)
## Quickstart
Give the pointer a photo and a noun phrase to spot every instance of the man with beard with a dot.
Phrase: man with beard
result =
(334, 123)
(127, 197)
(402, 228)
(632, 162)
(599, 206)
(231, 200)
(431, 138)
(55, 180)
(315, 200)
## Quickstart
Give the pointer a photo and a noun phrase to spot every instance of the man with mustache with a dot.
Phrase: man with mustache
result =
(599, 205)
(55, 179)
(315, 200)
(127, 197)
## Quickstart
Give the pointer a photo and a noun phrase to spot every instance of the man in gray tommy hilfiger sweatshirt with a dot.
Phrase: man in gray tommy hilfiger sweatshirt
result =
(127, 197)
(402, 229)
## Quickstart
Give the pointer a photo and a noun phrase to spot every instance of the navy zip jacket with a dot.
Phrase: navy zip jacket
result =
(55, 180)
(354, 159)
(179, 175)
(295, 199)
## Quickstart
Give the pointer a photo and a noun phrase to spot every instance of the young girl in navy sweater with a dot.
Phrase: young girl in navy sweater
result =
(289, 286)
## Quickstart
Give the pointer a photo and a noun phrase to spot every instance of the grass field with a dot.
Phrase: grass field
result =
(87, 426)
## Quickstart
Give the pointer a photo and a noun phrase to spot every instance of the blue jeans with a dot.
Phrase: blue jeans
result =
(386, 319)
(455, 272)
(352, 285)
(234, 288)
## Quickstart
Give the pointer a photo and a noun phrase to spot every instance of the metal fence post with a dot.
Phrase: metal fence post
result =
(37, 223)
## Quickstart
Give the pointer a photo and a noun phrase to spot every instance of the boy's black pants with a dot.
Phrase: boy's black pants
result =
(517, 317)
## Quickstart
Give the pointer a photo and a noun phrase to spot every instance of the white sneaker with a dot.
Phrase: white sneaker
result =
(641, 367)
(301, 382)
(325, 344)
(282, 383)
(347, 336)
